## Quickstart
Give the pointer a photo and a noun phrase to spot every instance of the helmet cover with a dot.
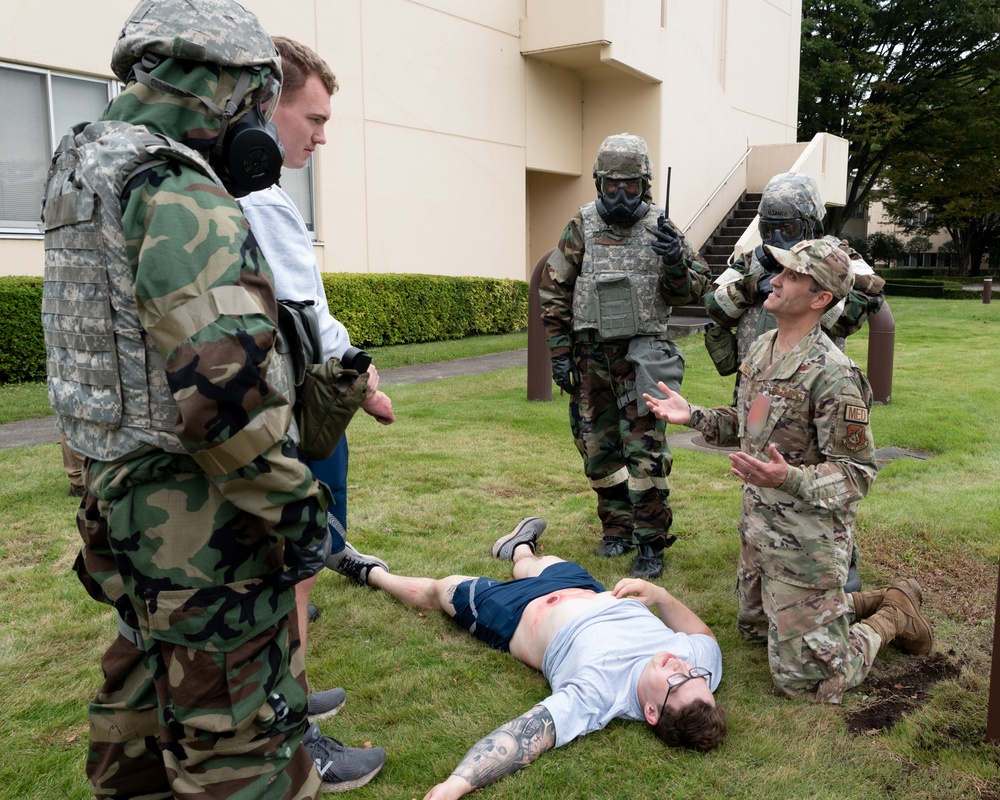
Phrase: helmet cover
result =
(792, 195)
(623, 156)
(208, 31)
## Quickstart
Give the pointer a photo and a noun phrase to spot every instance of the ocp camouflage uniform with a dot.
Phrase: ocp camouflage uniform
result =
(813, 404)
(623, 446)
(163, 372)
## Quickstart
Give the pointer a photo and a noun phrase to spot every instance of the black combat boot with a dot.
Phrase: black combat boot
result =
(648, 562)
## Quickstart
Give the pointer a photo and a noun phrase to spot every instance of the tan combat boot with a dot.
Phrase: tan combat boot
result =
(867, 603)
(899, 619)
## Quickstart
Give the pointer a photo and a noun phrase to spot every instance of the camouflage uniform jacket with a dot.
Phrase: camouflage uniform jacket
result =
(570, 269)
(813, 403)
(733, 301)
(187, 270)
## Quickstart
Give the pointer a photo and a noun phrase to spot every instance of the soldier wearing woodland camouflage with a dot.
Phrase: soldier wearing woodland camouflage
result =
(606, 295)
(807, 459)
(160, 327)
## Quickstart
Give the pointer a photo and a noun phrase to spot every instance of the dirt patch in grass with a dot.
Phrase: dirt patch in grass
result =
(899, 687)
(955, 583)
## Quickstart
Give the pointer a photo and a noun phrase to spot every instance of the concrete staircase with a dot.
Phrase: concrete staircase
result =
(720, 244)
(689, 319)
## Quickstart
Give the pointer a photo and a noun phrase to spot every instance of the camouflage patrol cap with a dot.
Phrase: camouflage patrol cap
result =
(791, 195)
(623, 156)
(829, 266)
(209, 31)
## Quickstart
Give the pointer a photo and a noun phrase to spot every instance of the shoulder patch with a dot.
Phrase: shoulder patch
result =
(745, 369)
(856, 438)
(856, 414)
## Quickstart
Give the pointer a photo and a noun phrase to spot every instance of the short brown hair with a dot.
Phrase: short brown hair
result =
(298, 62)
(698, 725)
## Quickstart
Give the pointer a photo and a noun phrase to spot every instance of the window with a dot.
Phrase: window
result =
(38, 108)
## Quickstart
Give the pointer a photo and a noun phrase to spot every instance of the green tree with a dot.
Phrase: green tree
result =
(917, 245)
(885, 247)
(860, 244)
(871, 69)
(954, 184)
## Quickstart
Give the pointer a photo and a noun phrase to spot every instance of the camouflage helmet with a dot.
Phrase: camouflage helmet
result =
(623, 156)
(792, 195)
(210, 31)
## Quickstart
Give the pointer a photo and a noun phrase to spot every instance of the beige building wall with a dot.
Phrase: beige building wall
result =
(464, 133)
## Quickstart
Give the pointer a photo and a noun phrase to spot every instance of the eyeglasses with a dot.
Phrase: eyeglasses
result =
(678, 679)
(632, 186)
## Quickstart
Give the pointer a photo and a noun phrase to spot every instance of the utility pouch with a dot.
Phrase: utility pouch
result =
(617, 307)
(324, 405)
(327, 395)
(721, 345)
(299, 326)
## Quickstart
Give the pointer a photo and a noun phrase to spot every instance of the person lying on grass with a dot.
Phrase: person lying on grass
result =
(604, 655)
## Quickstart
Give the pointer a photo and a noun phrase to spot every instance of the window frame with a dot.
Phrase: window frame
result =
(113, 87)
(32, 230)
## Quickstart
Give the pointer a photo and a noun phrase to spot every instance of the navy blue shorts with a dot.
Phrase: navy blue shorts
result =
(491, 610)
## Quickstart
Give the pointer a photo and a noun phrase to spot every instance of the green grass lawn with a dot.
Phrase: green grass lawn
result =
(469, 457)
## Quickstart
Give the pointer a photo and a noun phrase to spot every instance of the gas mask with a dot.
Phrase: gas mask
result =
(250, 155)
(620, 201)
(247, 156)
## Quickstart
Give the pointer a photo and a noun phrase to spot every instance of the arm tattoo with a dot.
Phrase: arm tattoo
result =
(513, 745)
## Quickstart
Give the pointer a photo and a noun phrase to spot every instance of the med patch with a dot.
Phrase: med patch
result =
(856, 414)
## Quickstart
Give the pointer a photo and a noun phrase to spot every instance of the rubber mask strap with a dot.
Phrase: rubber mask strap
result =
(232, 107)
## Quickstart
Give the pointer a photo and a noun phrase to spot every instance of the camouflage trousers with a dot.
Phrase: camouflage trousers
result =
(625, 455)
(207, 698)
(812, 647)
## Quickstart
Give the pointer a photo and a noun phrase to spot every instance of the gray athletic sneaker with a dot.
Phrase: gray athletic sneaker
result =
(342, 768)
(527, 532)
(326, 704)
(353, 564)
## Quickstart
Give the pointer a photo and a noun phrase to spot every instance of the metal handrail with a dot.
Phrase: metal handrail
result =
(718, 189)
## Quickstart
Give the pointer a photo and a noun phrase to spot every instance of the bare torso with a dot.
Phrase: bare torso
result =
(545, 616)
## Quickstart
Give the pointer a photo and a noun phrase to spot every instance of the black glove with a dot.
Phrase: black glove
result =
(304, 561)
(667, 244)
(764, 284)
(565, 373)
(766, 260)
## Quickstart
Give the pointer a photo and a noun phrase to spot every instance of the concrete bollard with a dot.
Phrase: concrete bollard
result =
(881, 344)
(539, 361)
(987, 289)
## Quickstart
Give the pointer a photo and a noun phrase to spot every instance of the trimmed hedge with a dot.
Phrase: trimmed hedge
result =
(380, 310)
(938, 287)
(22, 349)
(913, 287)
(376, 310)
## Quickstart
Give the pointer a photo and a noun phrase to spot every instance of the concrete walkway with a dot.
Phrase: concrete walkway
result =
(42, 431)
(30, 432)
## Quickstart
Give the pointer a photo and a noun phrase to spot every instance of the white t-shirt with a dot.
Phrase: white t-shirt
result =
(594, 663)
(284, 239)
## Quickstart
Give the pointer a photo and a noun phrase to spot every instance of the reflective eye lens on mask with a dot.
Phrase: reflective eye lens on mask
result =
(266, 98)
(632, 187)
(787, 229)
